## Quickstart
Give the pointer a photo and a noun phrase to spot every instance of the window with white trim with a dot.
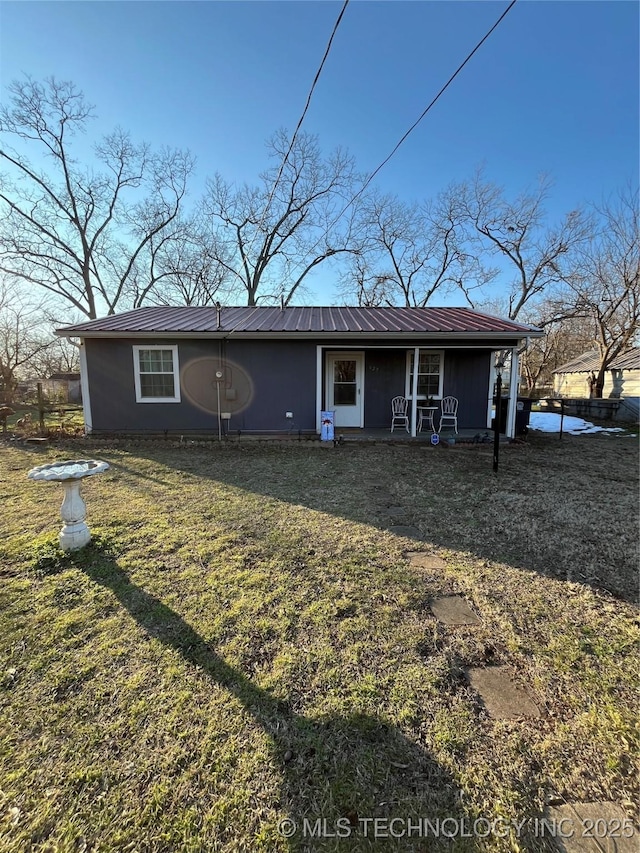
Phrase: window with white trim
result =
(156, 374)
(430, 374)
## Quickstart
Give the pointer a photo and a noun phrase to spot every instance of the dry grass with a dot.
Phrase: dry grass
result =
(244, 642)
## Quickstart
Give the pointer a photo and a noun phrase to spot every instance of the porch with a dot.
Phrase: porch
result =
(400, 436)
(358, 384)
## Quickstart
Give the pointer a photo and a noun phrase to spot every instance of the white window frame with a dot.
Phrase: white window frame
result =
(408, 385)
(176, 373)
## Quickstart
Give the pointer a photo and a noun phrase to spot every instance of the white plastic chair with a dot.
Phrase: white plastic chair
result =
(399, 412)
(449, 412)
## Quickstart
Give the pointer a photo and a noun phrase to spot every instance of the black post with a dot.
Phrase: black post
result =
(40, 408)
(496, 430)
(561, 417)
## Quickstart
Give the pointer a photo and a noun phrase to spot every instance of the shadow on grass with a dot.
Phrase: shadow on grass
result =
(341, 769)
(131, 472)
(555, 508)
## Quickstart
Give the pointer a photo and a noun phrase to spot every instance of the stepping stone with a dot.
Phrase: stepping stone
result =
(405, 530)
(395, 511)
(453, 610)
(502, 698)
(422, 560)
(591, 828)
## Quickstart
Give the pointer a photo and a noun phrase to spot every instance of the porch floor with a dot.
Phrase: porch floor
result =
(400, 436)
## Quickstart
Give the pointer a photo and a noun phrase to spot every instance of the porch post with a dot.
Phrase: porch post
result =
(414, 391)
(513, 393)
(319, 355)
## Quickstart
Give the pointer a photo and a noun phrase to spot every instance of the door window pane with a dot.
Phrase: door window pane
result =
(344, 371)
(344, 394)
(344, 382)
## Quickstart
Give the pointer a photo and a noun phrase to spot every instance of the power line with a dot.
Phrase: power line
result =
(302, 117)
(426, 110)
(313, 86)
(400, 141)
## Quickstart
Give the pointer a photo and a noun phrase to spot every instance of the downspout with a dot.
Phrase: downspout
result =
(319, 386)
(221, 359)
(492, 382)
(222, 346)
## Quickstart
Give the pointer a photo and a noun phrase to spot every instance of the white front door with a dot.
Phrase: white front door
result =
(345, 379)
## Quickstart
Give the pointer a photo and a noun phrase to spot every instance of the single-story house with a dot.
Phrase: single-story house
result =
(269, 369)
(621, 379)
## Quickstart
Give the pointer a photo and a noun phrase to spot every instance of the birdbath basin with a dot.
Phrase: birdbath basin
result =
(75, 533)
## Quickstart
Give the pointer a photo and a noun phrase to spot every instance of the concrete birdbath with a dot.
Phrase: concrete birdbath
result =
(75, 533)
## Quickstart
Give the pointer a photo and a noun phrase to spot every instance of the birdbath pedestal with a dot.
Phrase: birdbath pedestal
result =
(75, 533)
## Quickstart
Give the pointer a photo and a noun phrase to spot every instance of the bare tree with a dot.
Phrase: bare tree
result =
(269, 237)
(182, 268)
(516, 232)
(605, 289)
(411, 252)
(22, 338)
(361, 283)
(564, 339)
(60, 357)
(81, 233)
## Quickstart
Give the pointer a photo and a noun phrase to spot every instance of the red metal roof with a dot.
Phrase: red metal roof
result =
(297, 321)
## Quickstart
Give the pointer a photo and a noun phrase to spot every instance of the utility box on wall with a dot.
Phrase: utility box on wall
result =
(326, 426)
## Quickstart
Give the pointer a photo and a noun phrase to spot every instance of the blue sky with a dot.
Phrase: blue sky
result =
(555, 88)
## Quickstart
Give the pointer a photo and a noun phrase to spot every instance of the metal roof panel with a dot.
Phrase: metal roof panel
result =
(296, 320)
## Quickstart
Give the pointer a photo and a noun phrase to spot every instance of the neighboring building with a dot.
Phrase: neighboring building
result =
(64, 387)
(274, 370)
(621, 379)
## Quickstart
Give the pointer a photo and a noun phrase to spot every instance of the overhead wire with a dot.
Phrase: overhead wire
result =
(400, 141)
(311, 90)
(433, 102)
(420, 118)
(300, 121)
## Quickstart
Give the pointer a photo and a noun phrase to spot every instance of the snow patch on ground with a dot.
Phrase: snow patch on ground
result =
(550, 422)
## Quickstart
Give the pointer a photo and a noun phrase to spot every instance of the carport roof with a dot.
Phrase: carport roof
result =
(590, 362)
(297, 322)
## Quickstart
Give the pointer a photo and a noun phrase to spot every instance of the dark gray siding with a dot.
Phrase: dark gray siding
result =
(466, 376)
(112, 389)
(282, 374)
(385, 377)
(283, 378)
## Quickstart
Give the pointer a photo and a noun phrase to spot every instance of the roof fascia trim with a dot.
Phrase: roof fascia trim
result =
(355, 336)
